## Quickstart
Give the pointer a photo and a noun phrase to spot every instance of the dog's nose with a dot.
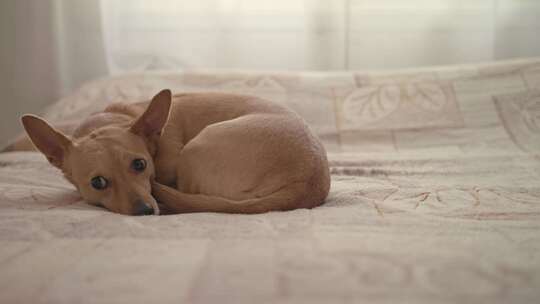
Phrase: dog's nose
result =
(141, 208)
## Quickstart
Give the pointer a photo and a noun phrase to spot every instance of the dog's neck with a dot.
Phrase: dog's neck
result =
(100, 120)
(115, 114)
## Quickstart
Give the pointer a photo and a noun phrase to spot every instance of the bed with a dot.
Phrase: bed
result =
(435, 198)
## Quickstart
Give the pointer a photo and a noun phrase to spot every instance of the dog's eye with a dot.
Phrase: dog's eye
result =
(138, 164)
(99, 182)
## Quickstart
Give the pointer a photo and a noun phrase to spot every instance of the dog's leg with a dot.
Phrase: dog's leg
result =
(23, 142)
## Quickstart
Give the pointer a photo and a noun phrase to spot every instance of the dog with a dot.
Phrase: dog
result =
(193, 152)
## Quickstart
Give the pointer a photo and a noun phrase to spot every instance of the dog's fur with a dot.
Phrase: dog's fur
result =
(204, 152)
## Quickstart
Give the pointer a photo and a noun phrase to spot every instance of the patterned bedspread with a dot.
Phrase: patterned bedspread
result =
(435, 198)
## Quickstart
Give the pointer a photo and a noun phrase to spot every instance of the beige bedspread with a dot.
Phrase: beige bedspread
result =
(435, 198)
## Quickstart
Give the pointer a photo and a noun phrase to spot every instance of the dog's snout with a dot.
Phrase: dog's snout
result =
(142, 208)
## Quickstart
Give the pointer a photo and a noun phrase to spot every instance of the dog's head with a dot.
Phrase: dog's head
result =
(112, 166)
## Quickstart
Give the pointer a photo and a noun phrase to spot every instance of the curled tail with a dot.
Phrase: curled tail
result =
(286, 198)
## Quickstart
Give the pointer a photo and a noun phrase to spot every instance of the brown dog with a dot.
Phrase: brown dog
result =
(192, 152)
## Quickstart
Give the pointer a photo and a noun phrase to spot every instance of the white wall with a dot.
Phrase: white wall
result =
(29, 71)
(48, 48)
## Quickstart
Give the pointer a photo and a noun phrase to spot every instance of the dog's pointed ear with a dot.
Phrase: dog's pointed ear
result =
(51, 142)
(152, 121)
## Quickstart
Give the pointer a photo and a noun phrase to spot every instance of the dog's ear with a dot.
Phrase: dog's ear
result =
(152, 121)
(51, 142)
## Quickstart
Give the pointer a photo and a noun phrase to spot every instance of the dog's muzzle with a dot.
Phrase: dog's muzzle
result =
(142, 208)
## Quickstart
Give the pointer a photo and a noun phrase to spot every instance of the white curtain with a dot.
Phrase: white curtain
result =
(315, 34)
(50, 47)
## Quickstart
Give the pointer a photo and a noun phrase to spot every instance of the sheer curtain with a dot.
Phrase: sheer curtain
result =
(224, 34)
(50, 47)
(315, 34)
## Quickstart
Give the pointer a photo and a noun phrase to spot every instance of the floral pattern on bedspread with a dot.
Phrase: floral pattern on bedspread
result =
(435, 197)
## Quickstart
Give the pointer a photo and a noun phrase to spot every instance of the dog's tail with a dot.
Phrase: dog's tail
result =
(289, 197)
